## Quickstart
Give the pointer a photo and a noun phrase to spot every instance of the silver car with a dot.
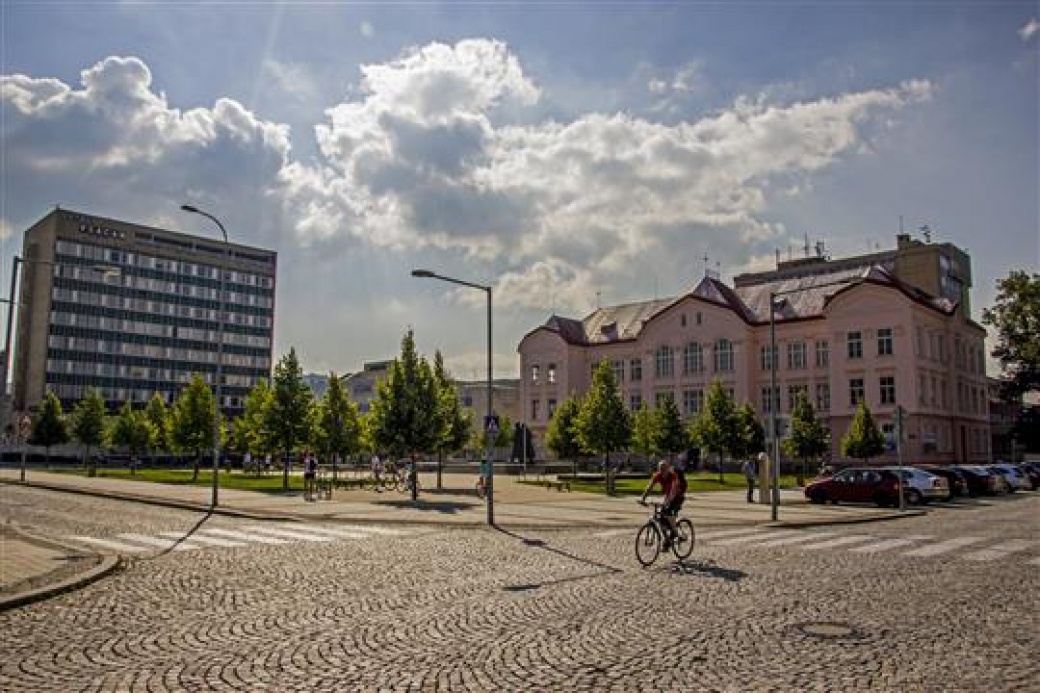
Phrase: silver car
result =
(1015, 478)
(920, 486)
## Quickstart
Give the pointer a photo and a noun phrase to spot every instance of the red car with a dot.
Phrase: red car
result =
(856, 485)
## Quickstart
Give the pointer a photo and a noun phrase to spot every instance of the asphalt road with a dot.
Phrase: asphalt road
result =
(945, 602)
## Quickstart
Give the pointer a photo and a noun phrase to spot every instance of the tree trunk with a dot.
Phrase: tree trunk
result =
(574, 470)
(285, 472)
(722, 479)
(440, 466)
(414, 474)
(195, 466)
(801, 473)
(608, 475)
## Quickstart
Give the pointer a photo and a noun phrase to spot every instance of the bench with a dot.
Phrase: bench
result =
(558, 485)
(356, 482)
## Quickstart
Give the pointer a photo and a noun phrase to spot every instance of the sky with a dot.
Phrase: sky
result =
(568, 154)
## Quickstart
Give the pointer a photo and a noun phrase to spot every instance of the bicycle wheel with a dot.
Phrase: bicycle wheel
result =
(481, 491)
(682, 544)
(648, 544)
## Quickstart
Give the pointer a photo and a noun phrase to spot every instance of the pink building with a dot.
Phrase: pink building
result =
(861, 327)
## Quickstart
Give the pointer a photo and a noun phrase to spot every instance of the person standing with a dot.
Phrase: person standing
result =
(750, 470)
(310, 472)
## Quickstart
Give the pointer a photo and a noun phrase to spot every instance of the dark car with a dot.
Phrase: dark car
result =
(955, 478)
(980, 481)
(856, 485)
(1032, 472)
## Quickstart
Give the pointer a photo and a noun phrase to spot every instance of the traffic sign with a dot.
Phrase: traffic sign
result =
(491, 423)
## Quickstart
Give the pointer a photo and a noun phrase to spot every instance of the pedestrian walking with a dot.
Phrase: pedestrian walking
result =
(750, 470)
(310, 472)
(377, 472)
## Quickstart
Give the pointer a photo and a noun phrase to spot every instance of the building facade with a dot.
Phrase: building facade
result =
(846, 330)
(132, 310)
(361, 386)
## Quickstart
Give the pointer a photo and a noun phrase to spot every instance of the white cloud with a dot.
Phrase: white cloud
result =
(5, 229)
(367, 30)
(1029, 29)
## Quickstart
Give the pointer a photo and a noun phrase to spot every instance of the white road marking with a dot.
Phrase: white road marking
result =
(999, 551)
(1035, 561)
(159, 543)
(357, 533)
(754, 537)
(259, 539)
(110, 544)
(614, 532)
(370, 529)
(943, 546)
(887, 544)
(288, 533)
(728, 532)
(200, 538)
(840, 541)
(798, 539)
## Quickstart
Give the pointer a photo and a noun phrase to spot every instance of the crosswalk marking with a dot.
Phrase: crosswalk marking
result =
(288, 533)
(729, 541)
(799, 538)
(200, 538)
(110, 544)
(158, 542)
(1035, 561)
(999, 551)
(614, 532)
(840, 541)
(259, 539)
(943, 546)
(887, 544)
(367, 529)
(728, 532)
(336, 531)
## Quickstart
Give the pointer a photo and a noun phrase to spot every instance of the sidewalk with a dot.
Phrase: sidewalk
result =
(516, 505)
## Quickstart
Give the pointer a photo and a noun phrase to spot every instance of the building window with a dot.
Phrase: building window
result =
(888, 389)
(855, 345)
(534, 374)
(823, 396)
(693, 400)
(723, 356)
(619, 371)
(884, 341)
(792, 394)
(534, 409)
(796, 355)
(663, 362)
(635, 370)
(682, 319)
(823, 353)
(942, 393)
(693, 358)
(766, 356)
(550, 408)
(855, 391)
(635, 401)
(552, 373)
(662, 397)
(942, 348)
(698, 318)
(769, 402)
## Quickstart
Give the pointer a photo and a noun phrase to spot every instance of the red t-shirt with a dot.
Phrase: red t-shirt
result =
(666, 481)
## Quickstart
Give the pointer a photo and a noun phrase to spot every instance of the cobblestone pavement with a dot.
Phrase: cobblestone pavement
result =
(567, 610)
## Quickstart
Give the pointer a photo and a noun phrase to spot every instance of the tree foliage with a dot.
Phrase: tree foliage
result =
(288, 415)
(750, 437)
(403, 414)
(252, 433)
(456, 427)
(808, 438)
(336, 429)
(159, 417)
(645, 436)
(88, 424)
(671, 438)
(132, 430)
(863, 440)
(562, 437)
(715, 427)
(603, 424)
(191, 420)
(49, 427)
(1016, 317)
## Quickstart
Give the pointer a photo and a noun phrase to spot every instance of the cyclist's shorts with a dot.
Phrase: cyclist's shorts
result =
(673, 506)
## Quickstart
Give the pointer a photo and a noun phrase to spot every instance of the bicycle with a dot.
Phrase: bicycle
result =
(481, 488)
(405, 482)
(652, 535)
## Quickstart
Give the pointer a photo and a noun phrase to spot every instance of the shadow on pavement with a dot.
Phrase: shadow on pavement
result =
(706, 568)
(446, 507)
(187, 535)
(540, 544)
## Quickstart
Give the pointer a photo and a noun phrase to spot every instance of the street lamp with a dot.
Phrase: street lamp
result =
(220, 347)
(427, 274)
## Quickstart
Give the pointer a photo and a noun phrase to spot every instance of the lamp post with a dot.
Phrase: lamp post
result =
(220, 349)
(427, 274)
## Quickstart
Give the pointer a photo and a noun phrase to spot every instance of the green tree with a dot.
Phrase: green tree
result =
(338, 428)
(191, 421)
(288, 417)
(863, 440)
(49, 427)
(134, 431)
(1016, 317)
(646, 436)
(671, 436)
(603, 424)
(455, 426)
(404, 414)
(88, 425)
(562, 437)
(750, 438)
(252, 433)
(715, 428)
(809, 438)
(159, 418)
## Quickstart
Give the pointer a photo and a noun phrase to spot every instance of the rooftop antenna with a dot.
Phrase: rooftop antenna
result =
(900, 224)
(655, 288)
(706, 260)
(597, 301)
(927, 231)
(805, 248)
(777, 252)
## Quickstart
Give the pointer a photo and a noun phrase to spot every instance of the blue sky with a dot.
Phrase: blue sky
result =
(558, 151)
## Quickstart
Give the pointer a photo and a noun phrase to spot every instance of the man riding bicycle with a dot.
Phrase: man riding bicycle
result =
(673, 487)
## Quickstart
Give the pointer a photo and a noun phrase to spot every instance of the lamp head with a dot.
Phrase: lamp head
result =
(189, 208)
(422, 273)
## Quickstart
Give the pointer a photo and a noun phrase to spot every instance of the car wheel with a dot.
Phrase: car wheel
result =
(818, 497)
(914, 497)
(881, 500)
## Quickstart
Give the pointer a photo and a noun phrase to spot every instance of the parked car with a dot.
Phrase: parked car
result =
(982, 482)
(1016, 479)
(924, 487)
(856, 485)
(1032, 472)
(954, 477)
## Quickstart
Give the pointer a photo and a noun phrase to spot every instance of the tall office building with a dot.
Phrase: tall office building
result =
(131, 310)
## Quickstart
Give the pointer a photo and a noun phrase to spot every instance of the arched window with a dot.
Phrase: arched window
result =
(723, 356)
(663, 364)
(693, 358)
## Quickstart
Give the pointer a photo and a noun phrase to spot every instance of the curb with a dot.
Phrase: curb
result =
(105, 566)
